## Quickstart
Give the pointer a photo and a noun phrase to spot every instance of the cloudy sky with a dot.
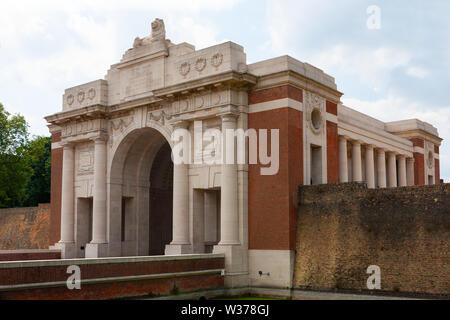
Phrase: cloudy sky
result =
(399, 71)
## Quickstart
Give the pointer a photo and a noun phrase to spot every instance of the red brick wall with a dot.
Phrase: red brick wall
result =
(55, 195)
(417, 142)
(332, 153)
(437, 169)
(272, 199)
(332, 108)
(419, 169)
(32, 255)
(109, 289)
(276, 93)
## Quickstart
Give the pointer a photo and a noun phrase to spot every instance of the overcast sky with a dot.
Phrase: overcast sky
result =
(399, 71)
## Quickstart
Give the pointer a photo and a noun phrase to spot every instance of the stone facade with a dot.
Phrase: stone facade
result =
(111, 135)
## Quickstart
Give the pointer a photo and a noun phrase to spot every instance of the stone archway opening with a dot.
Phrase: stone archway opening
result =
(141, 194)
(161, 197)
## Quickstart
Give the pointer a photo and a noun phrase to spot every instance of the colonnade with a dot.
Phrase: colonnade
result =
(380, 165)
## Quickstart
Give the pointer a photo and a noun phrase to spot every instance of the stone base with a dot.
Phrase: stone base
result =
(177, 249)
(68, 249)
(276, 266)
(96, 250)
(236, 265)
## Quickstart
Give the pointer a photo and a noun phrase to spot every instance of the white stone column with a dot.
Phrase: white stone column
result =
(98, 246)
(180, 225)
(402, 182)
(392, 170)
(343, 169)
(356, 161)
(410, 171)
(229, 196)
(67, 243)
(370, 167)
(235, 251)
(381, 168)
(67, 196)
(99, 193)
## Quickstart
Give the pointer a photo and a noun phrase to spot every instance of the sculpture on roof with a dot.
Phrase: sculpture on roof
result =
(158, 34)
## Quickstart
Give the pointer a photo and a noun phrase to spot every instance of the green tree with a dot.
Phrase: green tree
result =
(15, 170)
(39, 158)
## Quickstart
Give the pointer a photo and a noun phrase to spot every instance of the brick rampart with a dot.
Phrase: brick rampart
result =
(25, 228)
(345, 228)
(111, 277)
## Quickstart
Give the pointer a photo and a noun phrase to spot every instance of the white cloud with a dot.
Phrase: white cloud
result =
(417, 72)
(202, 34)
(372, 66)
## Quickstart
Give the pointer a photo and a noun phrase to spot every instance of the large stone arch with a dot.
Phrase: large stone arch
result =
(129, 184)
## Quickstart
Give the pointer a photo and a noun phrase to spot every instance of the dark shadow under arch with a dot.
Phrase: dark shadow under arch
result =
(161, 196)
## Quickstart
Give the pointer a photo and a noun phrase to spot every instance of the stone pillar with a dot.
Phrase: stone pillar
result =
(381, 168)
(343, 169)
(392, 170)
(410, 171)
(402, 182)
(67, 242)
(356, 161)
(229, 196)
(98, 246)
(236, 274)
(370, 167)
(180, 229)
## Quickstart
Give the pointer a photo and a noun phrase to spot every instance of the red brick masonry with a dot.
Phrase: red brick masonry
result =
(55, 192)
(111, 277)
(276, 93)
(272, 219)
(23, 255)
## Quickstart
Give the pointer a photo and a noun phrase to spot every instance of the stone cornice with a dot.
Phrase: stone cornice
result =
(289, 77)
(230, 78)
(89, 113)
(419, 133)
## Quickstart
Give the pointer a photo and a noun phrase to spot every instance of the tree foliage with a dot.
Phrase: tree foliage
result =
(14, 167)
(39, 159)
(24, 164)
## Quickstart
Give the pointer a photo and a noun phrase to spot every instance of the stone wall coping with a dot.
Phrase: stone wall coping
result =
(68, 262)
(29, 251)
(28, 286)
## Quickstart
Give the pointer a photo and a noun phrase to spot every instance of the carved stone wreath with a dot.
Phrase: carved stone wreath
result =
(80, 96)
(200, 65)
(70, 99)
(217, 60)
(91, 94)
(185, 68)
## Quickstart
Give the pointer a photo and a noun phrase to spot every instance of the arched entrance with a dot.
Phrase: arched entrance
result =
(141, 194)
(161, 197)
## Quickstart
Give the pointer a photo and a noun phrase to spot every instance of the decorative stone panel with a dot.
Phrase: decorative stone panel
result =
(89, 94)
